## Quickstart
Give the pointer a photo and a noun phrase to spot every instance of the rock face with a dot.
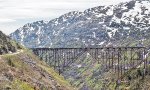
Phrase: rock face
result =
(125, 24)
(7, 45)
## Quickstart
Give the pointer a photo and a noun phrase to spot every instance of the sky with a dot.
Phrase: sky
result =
(15, 13)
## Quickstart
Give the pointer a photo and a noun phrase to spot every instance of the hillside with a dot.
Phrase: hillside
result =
(125, 24)
(7, 45)
(24, 71)
(87, 74)
(21, 70)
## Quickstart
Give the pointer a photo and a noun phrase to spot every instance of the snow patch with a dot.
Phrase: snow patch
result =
(126, 28)
(94, 28)
(56, 22)
(31, 29)
(22, 35)
(115, 19)
(79, 66)
(62, 28)
(64, 20)
(100, 22)
(101, 43)
(128, 17)
(38, 41)
(77, 39)
(110, 34)
(114, 30)
(94, 34)
(110, 12)
(88, 18)
(99, 15)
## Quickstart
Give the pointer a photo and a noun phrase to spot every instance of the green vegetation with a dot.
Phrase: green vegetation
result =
(20, 85)
(88, 73)
(10, 63)
(133, 80)
(16, 84)
(60, 79)
(24, 71)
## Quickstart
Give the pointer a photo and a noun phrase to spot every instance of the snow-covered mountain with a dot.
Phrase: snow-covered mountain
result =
(125, 24)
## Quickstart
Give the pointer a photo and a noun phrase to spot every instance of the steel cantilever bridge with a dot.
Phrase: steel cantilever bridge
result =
(118, 59)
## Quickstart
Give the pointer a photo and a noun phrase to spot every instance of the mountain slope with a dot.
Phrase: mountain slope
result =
(115, 25)
(21, 70)
(86, 73)
(24, 71)
(7, 45)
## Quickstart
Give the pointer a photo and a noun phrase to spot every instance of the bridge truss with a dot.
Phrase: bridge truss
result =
(118, 59)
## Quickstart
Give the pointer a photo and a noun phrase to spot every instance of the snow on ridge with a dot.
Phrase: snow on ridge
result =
(88, 18)
(116, 19)
(97, 21)
(126, 28)
(128, 17)
(94, 34)
(31, 29)
(110, 11)
(99, 15)
(109, 34)
(22, 35)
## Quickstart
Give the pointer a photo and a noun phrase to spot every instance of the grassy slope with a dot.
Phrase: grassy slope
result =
(86, 76)
(91, 76)
(24, 71)
(135, 80)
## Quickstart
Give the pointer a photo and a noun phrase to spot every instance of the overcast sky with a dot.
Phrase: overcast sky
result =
(16, 13)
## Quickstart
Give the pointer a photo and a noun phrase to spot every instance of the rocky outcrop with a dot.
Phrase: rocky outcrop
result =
(7, 45)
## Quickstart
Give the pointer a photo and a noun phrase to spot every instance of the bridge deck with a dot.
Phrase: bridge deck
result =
(95, 48)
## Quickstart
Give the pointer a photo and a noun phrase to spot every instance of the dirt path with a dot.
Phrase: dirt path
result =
(18, 51)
